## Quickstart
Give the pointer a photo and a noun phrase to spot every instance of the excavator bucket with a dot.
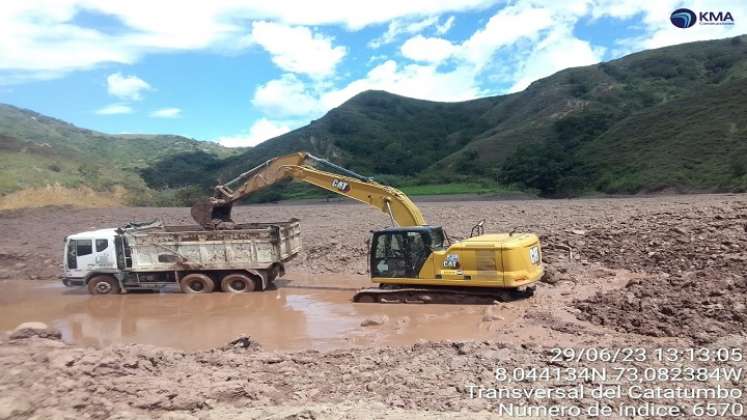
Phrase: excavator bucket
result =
(210, 213)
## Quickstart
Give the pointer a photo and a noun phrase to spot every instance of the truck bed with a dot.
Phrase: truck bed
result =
(155, 247)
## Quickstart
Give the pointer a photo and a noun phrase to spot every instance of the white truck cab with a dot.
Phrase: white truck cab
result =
(89, 252)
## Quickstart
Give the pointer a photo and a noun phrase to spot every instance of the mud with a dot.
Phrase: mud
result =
(289, 318)
(650, 272)
(695, 305)
(619, 232)
(138, 381)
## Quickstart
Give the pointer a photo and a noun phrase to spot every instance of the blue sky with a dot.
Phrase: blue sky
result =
(240, 72)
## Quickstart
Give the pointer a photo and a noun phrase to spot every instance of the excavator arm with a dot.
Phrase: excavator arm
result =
(215, 211)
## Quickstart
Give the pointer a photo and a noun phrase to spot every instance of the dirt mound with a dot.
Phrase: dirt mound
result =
(703, 306)
(57, 195)
(143, 380)
(24, 333)
(688, 253)
(242, 343)
(695, 264)
(668, 242)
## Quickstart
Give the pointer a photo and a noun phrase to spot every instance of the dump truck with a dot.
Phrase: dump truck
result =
(150, 256)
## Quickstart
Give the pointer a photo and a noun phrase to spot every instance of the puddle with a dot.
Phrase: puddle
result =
(293, 317)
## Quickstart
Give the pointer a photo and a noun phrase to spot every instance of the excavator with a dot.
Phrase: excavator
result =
(412, 261)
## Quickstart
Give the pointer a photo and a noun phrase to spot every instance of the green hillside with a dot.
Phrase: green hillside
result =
(36, 150)
(665, 119)
(670, 119)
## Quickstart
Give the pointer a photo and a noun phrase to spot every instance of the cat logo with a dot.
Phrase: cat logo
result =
(340, 185)
(451, 261)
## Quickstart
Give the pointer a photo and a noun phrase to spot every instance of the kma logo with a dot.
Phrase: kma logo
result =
(686, 18)
(716, 18)
(683, 18)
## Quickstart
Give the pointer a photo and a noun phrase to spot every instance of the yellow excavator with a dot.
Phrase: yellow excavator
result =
(412, 262)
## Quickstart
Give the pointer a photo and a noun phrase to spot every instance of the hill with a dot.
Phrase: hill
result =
(664, 119)
(36, 151)
(668, 119)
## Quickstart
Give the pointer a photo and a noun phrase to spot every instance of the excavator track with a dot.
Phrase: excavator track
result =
(440, 295)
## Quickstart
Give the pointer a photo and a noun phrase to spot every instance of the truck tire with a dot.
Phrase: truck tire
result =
(196, 283)
(238, 283)
(103, 285)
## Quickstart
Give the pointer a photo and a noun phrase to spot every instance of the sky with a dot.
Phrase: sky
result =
(241, 72)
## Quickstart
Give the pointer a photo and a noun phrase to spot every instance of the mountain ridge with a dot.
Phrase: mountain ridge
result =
(39, 150)
(557, 119)
(663, 119)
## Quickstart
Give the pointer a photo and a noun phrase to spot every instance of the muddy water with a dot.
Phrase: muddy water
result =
(292, 317)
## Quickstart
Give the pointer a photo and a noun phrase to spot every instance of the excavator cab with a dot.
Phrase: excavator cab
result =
(401, 252)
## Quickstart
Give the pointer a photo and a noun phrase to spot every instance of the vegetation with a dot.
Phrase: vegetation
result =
(666, 119)
(625, 126)
(455, 188)
(36, 150)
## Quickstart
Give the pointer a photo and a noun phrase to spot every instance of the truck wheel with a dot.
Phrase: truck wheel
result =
(238, 283)
(103, 285)
(196, 283)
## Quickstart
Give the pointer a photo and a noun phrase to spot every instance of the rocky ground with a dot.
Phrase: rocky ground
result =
(644, 272)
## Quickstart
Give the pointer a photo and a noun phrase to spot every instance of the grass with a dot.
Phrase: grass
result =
(451, 188)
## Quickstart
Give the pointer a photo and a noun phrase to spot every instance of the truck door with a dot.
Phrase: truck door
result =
(79, 257)
(104, 253)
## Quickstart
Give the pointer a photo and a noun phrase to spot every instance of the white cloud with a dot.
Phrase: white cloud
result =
(432, 50)
(558, 51)
(504, 28)
(285, 97)
(442, 28)
(166, 113)
(289, 97)
(356, 15)
(40, 39)
(414, 80)
(410, 26)
(262, 129)
(399, 27)
(298, 49)
(114, 109)
(544, 32)
(126, 87)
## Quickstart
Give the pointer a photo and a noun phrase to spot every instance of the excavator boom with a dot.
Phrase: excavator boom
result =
(215, 212)
(395, 203)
